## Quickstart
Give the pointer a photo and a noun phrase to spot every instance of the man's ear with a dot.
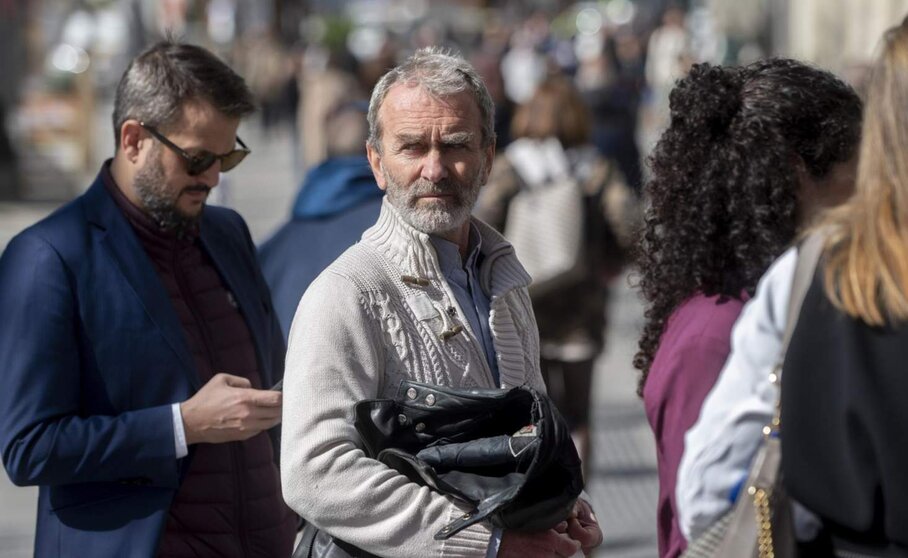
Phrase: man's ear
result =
(131, 137)
(489, 155)
(376, 165)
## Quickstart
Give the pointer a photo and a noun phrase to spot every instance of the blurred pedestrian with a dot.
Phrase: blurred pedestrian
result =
(338, 200)
(844, 421)
(270, 69)
(552, 141)
(326, 82)
(749, 157)
(668, 58)
(611, 87)
(138, 335)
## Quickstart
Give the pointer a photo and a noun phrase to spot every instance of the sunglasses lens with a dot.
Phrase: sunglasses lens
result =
(233, 159)
(201, 163)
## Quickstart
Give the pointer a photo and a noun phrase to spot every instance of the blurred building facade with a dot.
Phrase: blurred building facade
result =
(839, 35)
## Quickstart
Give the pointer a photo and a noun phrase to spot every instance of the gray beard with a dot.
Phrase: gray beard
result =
(441, 218)
(158, 203)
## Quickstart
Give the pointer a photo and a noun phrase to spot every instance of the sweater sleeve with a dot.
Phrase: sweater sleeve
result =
(336, 357)
(719, 448)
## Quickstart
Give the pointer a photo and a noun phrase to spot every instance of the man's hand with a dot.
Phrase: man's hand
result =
(227, 409)
(553, 543)
(583, 527)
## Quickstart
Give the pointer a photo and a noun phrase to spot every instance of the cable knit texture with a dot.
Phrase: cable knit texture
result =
(360, 329)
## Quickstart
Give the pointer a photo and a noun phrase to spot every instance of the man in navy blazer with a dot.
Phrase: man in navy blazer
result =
(138, 339)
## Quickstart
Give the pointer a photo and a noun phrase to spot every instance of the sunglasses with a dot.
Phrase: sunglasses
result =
(202, 161)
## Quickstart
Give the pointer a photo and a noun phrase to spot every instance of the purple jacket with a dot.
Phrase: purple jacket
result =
(691, 353)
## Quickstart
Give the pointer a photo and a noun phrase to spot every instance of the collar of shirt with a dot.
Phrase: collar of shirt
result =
(462, 277)
(452, 266)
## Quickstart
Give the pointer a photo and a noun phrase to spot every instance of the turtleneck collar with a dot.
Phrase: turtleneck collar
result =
(413, 252)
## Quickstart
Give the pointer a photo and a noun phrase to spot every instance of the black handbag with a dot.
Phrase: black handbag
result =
(507, 455)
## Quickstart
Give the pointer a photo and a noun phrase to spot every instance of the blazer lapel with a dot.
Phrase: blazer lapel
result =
(125, 249)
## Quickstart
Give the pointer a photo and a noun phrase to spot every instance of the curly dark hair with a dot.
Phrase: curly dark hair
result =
(722, 200)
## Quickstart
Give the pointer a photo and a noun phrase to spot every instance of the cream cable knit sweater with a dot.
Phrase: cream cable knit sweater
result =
(362, 326)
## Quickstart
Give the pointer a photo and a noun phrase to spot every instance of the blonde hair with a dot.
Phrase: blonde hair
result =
(866, 264)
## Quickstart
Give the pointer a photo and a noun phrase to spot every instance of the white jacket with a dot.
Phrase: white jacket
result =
(362, 326)
(719, 448)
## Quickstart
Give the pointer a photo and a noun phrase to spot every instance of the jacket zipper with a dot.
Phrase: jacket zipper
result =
(234, 447)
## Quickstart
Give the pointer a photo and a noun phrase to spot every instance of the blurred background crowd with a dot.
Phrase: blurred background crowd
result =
(62, 59)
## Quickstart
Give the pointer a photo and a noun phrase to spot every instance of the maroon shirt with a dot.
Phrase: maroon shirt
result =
(692, 351)
(229, 503)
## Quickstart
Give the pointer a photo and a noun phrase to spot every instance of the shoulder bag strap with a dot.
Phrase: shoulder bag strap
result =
(808, 256)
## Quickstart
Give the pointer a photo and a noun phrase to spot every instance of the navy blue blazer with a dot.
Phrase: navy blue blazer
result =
(93, 355)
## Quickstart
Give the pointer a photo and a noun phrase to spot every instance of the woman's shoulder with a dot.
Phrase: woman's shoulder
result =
(696, 337)
(692, 349)
(706, 314)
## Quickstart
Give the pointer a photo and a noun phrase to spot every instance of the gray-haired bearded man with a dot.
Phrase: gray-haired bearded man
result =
(429, 295)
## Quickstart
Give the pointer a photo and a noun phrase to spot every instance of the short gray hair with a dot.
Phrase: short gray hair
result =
(442, 74)
(161, 79)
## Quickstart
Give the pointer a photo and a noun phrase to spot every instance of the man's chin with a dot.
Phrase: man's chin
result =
(436, 203)
(184, 218)
(435, 222)
(190, 209)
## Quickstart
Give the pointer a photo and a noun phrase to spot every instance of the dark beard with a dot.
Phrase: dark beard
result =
(159, 204)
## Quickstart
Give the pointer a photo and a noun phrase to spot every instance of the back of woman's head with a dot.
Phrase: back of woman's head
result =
(556, 110)
(725, 178)
(866, 271)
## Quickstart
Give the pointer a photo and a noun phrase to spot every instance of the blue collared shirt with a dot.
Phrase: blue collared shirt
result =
(463, 278)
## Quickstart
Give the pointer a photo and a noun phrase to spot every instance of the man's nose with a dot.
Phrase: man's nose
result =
(433, 167)
(211, 176)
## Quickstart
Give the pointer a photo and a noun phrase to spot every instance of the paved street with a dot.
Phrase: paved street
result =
(622, 476)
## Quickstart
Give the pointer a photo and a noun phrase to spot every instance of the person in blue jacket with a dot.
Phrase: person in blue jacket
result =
(137, 335)
(339, 199)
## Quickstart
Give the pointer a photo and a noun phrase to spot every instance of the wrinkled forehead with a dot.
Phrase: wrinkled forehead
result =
(411, 109)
